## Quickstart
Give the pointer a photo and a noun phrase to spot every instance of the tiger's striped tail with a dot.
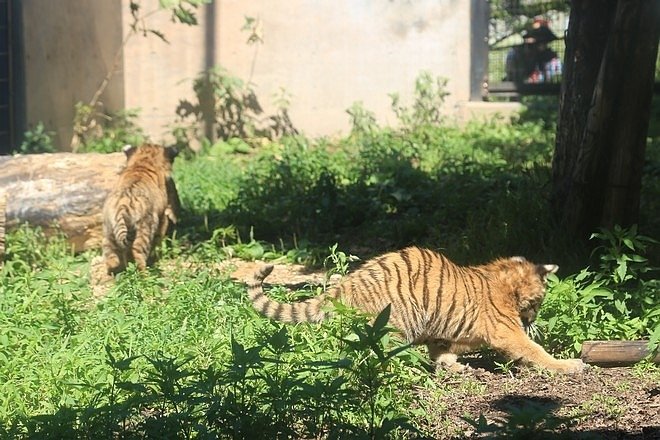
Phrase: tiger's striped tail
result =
(309, 310)
(120, 227)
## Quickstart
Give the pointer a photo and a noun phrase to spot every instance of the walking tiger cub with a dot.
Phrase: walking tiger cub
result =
(450, 308)
(137, 213)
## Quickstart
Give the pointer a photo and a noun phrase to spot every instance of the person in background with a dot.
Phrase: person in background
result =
(533, 61)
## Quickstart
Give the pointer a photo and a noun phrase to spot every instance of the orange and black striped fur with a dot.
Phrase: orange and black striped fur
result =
(452, 309)
(137, 213)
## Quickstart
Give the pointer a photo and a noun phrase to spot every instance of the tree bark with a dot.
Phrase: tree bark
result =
(604, 113)
(586, 38)
(61, 192)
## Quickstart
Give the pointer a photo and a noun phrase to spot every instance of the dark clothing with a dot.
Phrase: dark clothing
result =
(526, 63)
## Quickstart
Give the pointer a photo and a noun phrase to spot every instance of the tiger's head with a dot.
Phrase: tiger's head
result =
(523, 283)
(159, 157)
(527, 283)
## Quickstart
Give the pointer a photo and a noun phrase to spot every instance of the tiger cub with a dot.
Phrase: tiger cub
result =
(137, 213)
(452, 309)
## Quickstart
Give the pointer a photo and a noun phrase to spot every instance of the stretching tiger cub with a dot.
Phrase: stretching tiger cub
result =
(450, 308)
(136, 214)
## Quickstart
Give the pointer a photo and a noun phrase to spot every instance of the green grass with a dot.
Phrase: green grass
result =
(183, 345)
(179, 352)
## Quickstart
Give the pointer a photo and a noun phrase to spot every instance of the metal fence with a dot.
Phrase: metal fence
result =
(510, 22)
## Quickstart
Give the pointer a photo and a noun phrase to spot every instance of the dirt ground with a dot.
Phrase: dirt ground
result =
(601, 403)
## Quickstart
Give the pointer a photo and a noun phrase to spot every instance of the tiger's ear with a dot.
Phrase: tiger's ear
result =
(518, 259)
(171, 153)
(545, 269)
(129, 150)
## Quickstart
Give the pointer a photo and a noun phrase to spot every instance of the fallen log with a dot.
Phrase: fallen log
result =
(60, 192)
(616, 353)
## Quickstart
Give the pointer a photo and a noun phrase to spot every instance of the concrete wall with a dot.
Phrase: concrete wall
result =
(327, 54)
(158, 74)
(68, 47)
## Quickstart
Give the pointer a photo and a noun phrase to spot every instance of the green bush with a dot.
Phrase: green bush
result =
(468, 191)
(99, 132)
(37, 140)
(614, 301)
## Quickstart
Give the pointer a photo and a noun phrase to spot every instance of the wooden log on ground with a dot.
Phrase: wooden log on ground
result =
(60, 192)
(616, 353)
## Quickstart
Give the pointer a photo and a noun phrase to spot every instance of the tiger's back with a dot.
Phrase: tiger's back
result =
(450, 308)
(136, 214)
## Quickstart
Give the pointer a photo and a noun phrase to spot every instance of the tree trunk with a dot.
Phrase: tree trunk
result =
(604, 113)
(588, 28)
(61, 192)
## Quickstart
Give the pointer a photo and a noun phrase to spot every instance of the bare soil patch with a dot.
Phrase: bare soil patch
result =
(601, 403)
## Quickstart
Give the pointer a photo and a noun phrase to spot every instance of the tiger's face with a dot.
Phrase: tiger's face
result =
(530, 287)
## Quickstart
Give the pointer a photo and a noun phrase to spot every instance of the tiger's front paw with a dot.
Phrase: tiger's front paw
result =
(169, 213)
(571, 366)
(449, 362)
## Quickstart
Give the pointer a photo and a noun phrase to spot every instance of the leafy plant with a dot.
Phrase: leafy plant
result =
(363, 121)
(620, 255)
(37, 140)
(612, 303)
(430, 94)
(254, 28)
(182, 11)
(374, 376)
(29, 248)
(267, 382)
(232, 107)
(106, 133)
(340, 260)
(505, 367)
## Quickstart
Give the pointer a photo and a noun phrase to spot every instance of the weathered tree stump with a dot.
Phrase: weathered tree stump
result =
(60, 192)
(616, 353)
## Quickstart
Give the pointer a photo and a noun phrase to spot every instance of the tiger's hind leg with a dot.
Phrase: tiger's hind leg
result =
(163, 226)
(141, 247)
(443, 356)
(112, 256)
(160, 234)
